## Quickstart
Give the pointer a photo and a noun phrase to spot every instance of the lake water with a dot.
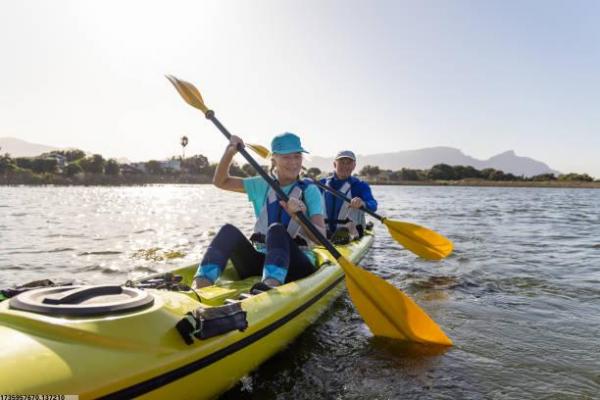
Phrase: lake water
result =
(520, 296)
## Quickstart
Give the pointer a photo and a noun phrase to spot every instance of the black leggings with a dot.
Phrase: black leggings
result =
(281, 250)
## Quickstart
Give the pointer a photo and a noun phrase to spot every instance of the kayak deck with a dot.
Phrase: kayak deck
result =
(141, 354)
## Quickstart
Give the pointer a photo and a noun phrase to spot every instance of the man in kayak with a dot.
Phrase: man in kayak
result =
(344, 220)
(280, 249)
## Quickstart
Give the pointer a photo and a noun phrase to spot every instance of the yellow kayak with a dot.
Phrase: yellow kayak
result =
(124, 342)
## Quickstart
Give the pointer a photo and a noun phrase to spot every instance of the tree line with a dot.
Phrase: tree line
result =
(445, 172)
(78, 164)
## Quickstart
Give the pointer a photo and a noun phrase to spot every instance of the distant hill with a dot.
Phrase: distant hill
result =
(426, 158)
(416, 159)
(20, 148)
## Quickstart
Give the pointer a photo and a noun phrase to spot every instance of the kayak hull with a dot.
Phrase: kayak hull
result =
(141, 354)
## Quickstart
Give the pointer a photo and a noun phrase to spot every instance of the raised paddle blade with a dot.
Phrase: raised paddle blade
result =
(421, 241)
(259, 149)
(190, 94)
(387, 311)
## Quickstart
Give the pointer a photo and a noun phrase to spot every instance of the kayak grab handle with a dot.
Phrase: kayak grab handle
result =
(82, 294)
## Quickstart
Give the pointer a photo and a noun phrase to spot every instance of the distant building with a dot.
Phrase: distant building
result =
(130, 169)
(139, 166)
(61, 161)
(174, 165)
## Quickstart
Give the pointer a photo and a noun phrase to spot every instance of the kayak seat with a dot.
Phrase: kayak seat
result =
(226, 289)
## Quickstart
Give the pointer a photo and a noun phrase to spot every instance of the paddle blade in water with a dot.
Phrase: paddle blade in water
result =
(189, 93)
(387, 311)
(259, 149)
(421, 241)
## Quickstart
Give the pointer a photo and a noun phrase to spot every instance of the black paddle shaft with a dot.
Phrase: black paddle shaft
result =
(339, 194)
(305, 221)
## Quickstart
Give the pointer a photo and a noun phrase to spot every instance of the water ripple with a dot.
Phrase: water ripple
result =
(56, 250)
(99, 253)
(520, 296)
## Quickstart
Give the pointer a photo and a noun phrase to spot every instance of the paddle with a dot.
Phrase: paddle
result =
(420, 240)
(387, 311)
(260, 150)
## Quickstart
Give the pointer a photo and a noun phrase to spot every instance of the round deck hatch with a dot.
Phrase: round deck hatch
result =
(82, 301)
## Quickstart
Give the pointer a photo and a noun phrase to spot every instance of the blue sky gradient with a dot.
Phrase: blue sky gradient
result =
(378, 76)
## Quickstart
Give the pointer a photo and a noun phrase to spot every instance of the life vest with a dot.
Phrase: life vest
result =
(339, 212)
(272, 212)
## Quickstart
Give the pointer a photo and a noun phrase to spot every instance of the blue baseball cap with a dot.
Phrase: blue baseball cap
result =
(286, 143)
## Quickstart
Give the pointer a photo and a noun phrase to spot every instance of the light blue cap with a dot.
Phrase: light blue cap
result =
(286, 143)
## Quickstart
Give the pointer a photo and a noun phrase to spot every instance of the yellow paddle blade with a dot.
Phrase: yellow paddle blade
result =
(387, 311)
(189, 93)
(421, 241)
(259, 149)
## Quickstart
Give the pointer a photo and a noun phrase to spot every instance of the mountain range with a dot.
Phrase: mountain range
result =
(20, 148)
(507, 161)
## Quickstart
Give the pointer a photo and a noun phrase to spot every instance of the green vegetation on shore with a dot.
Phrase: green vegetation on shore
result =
(460, 175)
(74, 167)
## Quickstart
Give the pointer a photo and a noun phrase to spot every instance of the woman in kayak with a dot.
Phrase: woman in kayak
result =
(281, 250)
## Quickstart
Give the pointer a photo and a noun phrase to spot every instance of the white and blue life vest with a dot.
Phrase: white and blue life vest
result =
(272, 212)
(339, 212)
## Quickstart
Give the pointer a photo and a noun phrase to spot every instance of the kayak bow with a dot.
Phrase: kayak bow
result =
(138, 352)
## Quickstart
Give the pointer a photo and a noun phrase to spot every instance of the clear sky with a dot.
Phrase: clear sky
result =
(375, 76)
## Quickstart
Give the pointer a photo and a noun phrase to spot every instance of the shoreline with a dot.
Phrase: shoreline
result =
(101, 180)
(483, 183)
(142, 180)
